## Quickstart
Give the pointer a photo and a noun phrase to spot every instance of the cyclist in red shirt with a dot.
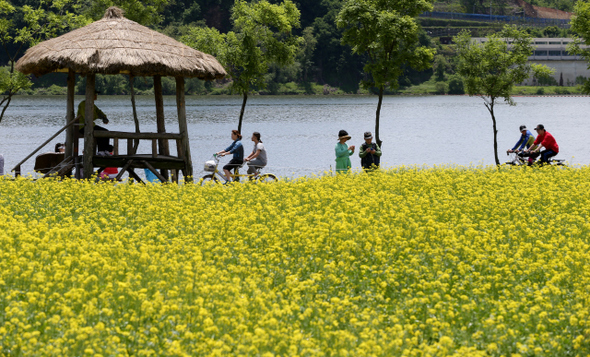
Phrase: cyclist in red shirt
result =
(546, 140)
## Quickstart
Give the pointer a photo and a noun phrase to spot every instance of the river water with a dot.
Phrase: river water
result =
(300, 132)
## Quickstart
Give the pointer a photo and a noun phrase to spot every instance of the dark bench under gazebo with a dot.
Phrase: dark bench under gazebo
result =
(116, 45)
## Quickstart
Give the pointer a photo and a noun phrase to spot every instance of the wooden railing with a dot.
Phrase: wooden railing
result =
(155, 138)
(17, 168)
(132, 137)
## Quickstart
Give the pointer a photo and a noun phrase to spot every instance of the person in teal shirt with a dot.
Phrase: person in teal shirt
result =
(343, 152)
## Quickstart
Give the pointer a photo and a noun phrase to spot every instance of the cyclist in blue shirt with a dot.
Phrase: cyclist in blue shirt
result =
(526, 140)
(237, 150)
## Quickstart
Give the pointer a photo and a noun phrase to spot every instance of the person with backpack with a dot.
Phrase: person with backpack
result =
(370, 153)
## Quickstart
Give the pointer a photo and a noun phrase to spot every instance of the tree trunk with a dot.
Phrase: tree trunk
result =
(491, 110)
(7, 99)
(6, 106)
(378, 114)
(242, 112)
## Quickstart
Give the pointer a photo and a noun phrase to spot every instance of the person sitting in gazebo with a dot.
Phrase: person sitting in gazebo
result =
(102, 143)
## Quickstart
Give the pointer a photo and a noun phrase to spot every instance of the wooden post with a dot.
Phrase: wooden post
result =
(134, 107)
(70, 115)
(89, 126)
(164, 148)
(186, 149)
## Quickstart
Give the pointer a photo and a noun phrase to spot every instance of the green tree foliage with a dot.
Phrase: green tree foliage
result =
(492, 68)
(441, 88)
(336, 64)
(24, 24)
(581, 25)
(456, 85)
(145, 12)
(547, 81)
(305, 55)
(497, 7)
(564, 5)
(441, 68)
(262, 36)
(386, 32)
(300, 71)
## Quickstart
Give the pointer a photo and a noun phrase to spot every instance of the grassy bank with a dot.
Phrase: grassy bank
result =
(432, 87)
(443, 261)
(427, 88)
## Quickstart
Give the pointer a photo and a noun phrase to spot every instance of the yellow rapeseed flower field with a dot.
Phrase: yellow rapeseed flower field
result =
(444, 261)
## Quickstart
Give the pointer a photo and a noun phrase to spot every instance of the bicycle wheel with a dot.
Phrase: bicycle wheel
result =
(267, 178)
(208, 180)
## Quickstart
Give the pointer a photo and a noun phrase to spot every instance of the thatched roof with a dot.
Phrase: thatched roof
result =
(115, 45)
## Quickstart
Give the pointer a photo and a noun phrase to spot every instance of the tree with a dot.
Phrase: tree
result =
(262, 35)
(581, 25)
(306, 54)
(441, 68)
(336, 64)
(492, 68)
(145, 12)
(386, 32)
(27, 25)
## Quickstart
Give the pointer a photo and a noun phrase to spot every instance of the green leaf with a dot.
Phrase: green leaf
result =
(262, 36)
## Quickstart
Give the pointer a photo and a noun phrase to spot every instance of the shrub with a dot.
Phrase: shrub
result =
(456, 85)
(57, 90)
(440, 88)
(562, 90)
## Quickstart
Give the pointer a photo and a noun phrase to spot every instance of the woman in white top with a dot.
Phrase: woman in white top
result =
(257, 159)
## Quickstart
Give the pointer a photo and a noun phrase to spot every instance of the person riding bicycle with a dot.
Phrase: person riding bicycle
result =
(237, 150)
(526, 140)
(546, 140)
(257, 159)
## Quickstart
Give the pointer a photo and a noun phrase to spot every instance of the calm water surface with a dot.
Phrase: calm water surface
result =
(300, 133)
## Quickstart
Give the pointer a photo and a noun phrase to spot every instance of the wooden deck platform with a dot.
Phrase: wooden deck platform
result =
(139, 161)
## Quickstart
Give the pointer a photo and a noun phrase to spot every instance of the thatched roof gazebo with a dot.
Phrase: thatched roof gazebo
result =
(116, 45)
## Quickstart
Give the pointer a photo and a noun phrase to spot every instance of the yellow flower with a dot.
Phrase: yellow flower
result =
(446, 261)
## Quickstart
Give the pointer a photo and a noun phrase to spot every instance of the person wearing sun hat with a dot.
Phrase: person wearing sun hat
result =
(524, 142)
(370, 153)
(343, 152)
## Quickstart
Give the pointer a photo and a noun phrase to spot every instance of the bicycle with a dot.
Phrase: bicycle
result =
(516, 159)
(217, 176)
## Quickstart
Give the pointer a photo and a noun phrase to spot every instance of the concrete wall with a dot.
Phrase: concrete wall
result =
(569, 69)
(553, 53)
